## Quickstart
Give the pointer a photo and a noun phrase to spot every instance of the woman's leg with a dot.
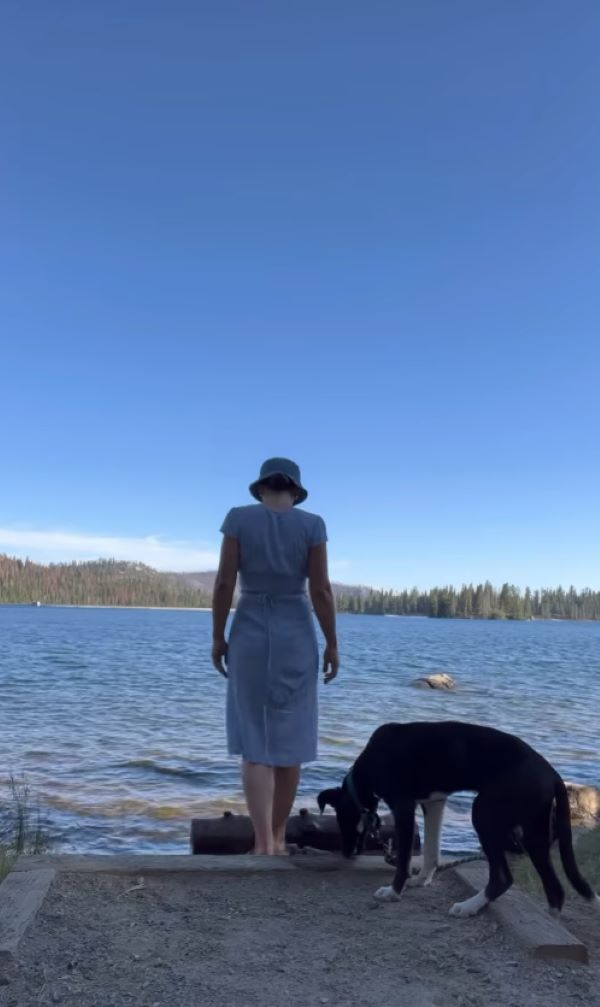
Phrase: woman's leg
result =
(286, 784)
(259, 788)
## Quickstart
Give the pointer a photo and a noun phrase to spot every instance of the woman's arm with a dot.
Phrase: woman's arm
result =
(321, 595)
(222, 597)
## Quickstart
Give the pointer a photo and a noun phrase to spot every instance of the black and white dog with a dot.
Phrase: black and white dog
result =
(422, 763)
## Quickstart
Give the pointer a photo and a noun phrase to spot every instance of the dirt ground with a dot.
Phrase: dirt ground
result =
(285, 939)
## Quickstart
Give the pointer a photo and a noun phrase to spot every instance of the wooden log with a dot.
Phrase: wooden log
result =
(232, 834)
(542, 934)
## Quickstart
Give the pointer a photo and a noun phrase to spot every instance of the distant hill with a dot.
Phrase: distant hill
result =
(205, 582)
(111, 582)
(101, 582)
(202, 581)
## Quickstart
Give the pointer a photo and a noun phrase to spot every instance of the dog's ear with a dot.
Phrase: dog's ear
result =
(330, 797)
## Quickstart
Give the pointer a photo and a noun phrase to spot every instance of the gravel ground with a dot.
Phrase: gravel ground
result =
(297, 939)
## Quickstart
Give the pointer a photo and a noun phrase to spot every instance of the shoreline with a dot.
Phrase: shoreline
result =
(206, 608)
(134, 608)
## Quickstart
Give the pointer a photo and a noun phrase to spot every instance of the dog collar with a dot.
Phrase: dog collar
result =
(351, 788)
(368, 815)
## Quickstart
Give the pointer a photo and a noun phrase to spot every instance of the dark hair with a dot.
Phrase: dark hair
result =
(278, 482)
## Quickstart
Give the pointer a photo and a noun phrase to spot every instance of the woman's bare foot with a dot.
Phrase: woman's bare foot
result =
(276, 850)
(279, 843)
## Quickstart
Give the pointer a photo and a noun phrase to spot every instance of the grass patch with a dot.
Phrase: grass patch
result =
(5, 863)
(21, 825)
(587, 853)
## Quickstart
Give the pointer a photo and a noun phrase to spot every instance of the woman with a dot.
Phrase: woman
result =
(272, 656)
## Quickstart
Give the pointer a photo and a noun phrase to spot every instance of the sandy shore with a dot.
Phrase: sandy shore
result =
(295, 939)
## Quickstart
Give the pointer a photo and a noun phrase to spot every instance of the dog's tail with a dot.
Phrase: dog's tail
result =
(565, 841)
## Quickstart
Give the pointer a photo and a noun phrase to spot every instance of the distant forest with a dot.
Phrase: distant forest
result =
(109, 582)
(101, 582)
(482, 601)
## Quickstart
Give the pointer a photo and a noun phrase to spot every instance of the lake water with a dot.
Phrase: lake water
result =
(115, 716)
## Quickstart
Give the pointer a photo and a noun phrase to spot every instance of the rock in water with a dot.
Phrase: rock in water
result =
(439, 680)
(584, 802)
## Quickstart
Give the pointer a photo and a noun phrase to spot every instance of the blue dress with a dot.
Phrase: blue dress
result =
(273, 654)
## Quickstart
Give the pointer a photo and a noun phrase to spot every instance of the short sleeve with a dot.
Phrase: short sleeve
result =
(318, 532)
(231, 524)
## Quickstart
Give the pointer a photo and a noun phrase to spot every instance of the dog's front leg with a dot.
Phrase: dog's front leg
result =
(404, 822)
(433, 813)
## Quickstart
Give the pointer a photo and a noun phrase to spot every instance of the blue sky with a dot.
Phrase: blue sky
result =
(363, 235)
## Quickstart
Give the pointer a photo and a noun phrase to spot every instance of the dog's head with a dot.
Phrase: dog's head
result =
(353, 821)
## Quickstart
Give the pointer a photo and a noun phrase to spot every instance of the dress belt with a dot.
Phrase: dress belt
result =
(269, 598)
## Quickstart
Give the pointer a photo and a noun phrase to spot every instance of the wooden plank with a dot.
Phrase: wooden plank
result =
(367, 863)
(543, 935)
(21, 895)
(137, 863)
(185, 863)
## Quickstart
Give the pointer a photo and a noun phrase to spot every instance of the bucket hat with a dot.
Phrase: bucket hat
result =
(280, 467)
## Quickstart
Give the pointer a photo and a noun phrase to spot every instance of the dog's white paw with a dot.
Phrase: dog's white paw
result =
(386, 894)
(462, 910)
(470, 907)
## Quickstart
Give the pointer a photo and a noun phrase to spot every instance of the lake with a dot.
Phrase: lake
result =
(115, 717)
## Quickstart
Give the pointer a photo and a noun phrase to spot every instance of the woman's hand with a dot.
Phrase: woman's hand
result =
(219, 656)
(331, 663)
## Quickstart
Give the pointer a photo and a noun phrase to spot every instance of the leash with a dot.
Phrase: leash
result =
(370, 822)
